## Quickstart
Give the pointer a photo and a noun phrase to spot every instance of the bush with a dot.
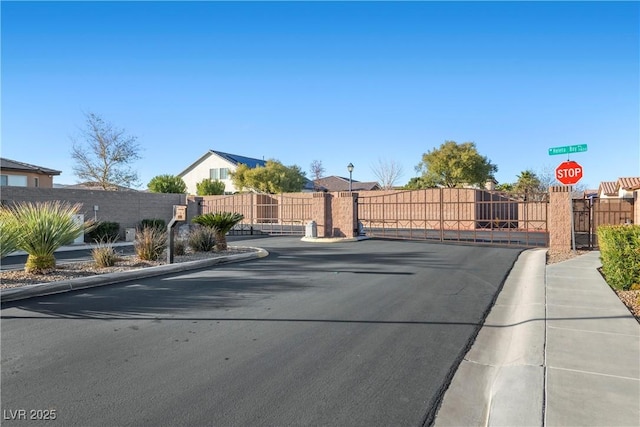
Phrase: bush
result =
(104, 255)
(154, 223)
(150, 243)
(179, 247)
(9, 232)
(202, 239)
(44, 227)
(221, 222)
(620, 255)
(210, 187)
(105, 231)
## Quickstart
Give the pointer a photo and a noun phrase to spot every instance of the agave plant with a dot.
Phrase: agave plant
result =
(44, 227)
(9, 232)
(221, 222)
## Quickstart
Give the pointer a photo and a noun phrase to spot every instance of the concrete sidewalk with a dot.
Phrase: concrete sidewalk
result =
(557, 349)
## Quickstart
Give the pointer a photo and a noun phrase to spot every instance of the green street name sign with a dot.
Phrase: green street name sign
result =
(568, 149)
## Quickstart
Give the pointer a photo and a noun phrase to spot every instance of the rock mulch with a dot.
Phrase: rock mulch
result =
(66, 271)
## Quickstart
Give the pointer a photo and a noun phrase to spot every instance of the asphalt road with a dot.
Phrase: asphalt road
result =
(361, 334)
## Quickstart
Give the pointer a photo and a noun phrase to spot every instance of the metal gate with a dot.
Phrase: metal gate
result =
(263, 213)
(589, 214)
(457, 215)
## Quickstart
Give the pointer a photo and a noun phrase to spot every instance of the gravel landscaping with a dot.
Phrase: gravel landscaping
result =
(66, 271)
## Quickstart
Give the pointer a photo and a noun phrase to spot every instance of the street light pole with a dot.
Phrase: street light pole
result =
(350, 169)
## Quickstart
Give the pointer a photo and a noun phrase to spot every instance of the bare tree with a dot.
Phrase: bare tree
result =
(104, 154)
(317, 171)
(388, 172)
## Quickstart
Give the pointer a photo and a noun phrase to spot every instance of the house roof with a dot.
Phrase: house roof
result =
(231, 158)
(94, 186)
(629, 183)
(608, 188)
(338, 183)
(26, 167)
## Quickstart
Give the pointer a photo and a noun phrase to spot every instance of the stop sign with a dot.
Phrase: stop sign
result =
(569, 172)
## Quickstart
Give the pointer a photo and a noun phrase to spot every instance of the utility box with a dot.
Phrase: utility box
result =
(311, 229)
(129, 234)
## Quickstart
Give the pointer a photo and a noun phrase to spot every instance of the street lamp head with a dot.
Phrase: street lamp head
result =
(350, 167)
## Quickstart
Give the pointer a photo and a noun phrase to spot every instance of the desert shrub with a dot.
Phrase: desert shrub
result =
(150, 243)
(44, 227)
(9, 232)
(620, 254)
(153, 222)
(104, 255)
(202, 239)
(221, 222)
(105, 231)
(179, 247)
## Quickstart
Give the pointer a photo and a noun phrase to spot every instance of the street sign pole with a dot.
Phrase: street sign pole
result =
(573, 229)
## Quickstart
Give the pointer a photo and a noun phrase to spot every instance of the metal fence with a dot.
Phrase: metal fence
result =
(280, 214)
(589, 214)
(457, 215)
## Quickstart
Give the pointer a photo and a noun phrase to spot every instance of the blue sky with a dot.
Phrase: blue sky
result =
(337, 82)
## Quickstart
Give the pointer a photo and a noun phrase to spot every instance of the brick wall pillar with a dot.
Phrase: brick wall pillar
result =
(320, 210)
(559, 219)
(636, 207)
(343, 214)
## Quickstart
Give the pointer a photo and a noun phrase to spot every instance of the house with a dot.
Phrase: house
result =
(337, 183)
(19, 174)
(622, 188)
(93, 186)
(216, 165)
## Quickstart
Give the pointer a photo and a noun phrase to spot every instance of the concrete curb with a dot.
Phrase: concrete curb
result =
(334, 239)
(501, 379)
(41, 289)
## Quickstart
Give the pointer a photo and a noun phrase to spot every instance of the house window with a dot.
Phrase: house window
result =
(13, 180)
(36, 182)
(219, 173)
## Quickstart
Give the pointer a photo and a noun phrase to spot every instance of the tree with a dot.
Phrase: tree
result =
(387, 172)
(528, 182)
(505, 187)
(272, 178)
(210, 187)
(167, 184)
(454, 165)
(317, 171)
(105, 154)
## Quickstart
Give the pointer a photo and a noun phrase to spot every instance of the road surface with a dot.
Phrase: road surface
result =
(361, 334)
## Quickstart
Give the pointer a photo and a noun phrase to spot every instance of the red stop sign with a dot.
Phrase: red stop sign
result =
(569, 172)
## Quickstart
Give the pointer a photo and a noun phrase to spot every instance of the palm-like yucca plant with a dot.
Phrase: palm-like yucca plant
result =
(221, 222)
(44, 227)
(9, 231)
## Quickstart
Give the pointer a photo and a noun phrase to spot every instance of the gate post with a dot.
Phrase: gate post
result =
(344, 215)
(320, 214)
(559, 219)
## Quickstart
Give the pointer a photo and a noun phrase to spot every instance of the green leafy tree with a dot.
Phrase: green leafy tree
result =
(273, 178)
(454, 165)
(528, 182)
(416, 183)
(104, 154)
(167, 184)
(221, 223)
(46, 226)
(210, 187)
(505, 187)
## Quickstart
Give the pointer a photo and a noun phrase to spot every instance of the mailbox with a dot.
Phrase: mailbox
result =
(179, 212)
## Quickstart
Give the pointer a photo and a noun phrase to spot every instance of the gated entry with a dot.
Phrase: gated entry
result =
(456, 215)
(263, 213)
(589, 214)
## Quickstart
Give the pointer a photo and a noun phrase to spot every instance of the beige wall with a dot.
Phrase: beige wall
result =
(44, 181)
(127, 208)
